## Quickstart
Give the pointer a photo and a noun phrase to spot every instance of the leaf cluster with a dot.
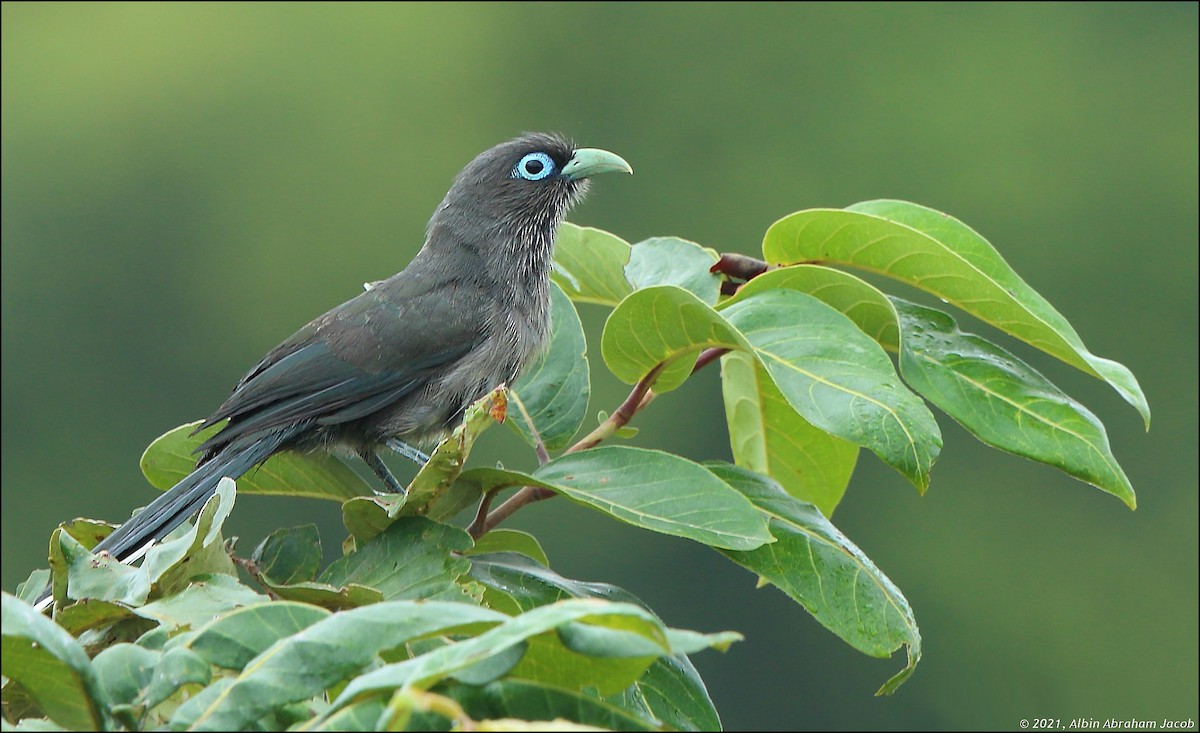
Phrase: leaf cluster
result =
(423, 625)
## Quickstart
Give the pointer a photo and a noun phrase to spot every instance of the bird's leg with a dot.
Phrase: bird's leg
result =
(376, 464)
(407, 451)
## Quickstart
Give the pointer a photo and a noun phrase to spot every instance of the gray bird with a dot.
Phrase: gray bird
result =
(397, 365)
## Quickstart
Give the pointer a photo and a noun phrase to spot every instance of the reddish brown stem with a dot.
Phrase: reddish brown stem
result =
(740, 266)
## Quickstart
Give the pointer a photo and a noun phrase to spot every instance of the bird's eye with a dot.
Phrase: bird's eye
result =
(534, 167)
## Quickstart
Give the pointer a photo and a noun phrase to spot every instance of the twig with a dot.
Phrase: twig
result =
(476, 528)
(635, 402)
(707, 357)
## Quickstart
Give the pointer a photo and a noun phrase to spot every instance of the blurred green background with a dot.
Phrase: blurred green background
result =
(184, 185)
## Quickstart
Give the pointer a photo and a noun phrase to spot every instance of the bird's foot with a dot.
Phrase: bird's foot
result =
(380, 469)
(407, 451)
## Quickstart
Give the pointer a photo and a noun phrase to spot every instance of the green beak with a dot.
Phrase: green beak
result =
(590, 161)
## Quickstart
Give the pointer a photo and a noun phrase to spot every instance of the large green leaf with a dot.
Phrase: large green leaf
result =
(305, 664)
(170, 457)
(674, 261)
(827, 369)
(937, 253)
(859, 301)
(554, 392)
(589, 264)
(767, 435)
(137, 679)
(197, 604)
(412, 559)
(662, 324)
(517, 584)
(838, 378)
(428, 669)
(125, 670)
(670, 689)
(232, 639)
(1004, 401)
(672, 692)
(818, 567)
(649, 489)
(51, 667)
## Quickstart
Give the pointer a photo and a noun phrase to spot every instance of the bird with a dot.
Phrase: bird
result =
(397, 365)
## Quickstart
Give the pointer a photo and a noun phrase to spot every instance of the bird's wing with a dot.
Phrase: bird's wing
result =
(356, 359)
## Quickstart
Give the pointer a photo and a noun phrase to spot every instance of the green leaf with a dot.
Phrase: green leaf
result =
(670, 689)
(291, 555)
(88, 532)
(425, 670)
(318, 475)
(649, 489)
(125, 670)
(851, 296)
(186, 552)
(554, 392)
(663, 324)
(366, 516)
(657, 491)
(767, 435)
(435, 490)
(941, 255)
(838, 378)
(674, 261)
(29, 590)
(589, 265)
(193, 550)
(232, 639)
(177, 668)
(90, 613)
(510, 540)
(358, 717)
(672, 692)
(447, 460)
(334, 598)
(529, 584)
(1005, 402)
(51, 667)
(829, 371)
(102, 577)
(205, 598)
(529, 700)
(309, 662)
(819, 568)
(411, 560)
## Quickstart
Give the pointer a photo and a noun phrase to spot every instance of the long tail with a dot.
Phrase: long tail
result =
(174, 506)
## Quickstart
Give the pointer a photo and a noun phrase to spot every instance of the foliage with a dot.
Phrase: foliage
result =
(423, 625)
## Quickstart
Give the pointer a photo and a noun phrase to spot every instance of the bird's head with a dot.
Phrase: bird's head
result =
(513, 196)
